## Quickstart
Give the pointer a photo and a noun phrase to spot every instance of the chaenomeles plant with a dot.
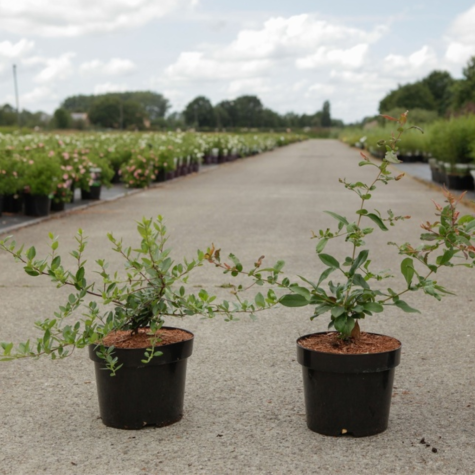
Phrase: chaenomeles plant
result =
(153, 288)
(349, 297)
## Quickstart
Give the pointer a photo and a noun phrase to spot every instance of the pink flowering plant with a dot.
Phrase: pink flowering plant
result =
(11, 174)
(42, 174)
(139, 171)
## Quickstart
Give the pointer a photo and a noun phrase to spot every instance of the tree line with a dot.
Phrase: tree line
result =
(144, 109)
(436, 95)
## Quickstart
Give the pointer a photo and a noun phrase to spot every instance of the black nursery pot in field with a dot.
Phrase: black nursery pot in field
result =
(13, 203)
(57, 205)
(37, 205)
(347, 393)
(141, 394)
(94, 193)
(459, 182)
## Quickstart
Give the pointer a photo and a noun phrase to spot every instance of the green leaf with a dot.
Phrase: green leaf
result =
(359, 261)
(359, 280)
(279, 265)
(260, 300)
(56, 262)
(407, 270)
(466, 219)
(324, 275)
(470, 225)
(337, 311)
(428, 237)
(375, 218)
(293, 300)
(31, 271)
(391, 157)
(329, 261)
(373, 307)
(404, 306)
(80, 274)
(301, 291)
(321, 245)
(342, 219)
(344, 325)
(31, 253)
(445, 257)
(308, 282)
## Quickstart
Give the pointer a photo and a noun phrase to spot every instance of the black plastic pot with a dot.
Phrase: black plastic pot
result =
(347, 394)
(1, 204)
(57, 205)
(13, 203)
(141, 394)
(161, 175)
(37, 205)
(459, 182)
(94, 193)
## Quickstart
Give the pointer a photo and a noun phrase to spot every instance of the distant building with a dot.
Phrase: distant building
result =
(80, 116)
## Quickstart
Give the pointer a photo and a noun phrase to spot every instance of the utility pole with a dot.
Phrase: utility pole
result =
(16, 96)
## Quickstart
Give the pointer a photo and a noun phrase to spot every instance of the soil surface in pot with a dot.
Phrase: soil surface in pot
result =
(367, 343)
(125, 338)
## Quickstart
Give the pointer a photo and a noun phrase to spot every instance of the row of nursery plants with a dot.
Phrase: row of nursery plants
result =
(140, 363)
(53, 166)
(447, 145)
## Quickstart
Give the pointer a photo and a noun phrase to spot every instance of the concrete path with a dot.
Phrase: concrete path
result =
(244, 398)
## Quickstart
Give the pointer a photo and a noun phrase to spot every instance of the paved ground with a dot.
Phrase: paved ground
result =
(244, 401)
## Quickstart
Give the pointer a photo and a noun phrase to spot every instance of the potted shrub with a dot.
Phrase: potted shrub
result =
(10, 181)
(140, 363)
(348, 374)
(42, 173)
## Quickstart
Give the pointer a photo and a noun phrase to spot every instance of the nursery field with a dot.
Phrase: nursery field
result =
(448, 145)
(244, 399)
(52, 166)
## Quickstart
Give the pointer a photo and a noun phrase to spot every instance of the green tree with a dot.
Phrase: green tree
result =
(440, 84)
(249, 111)
(326, 120)
(8, 115)
(464, 90)
(79, 103)
(62, 118)
(200, 113)
(226, 114)
(409, 96)
(111, 112)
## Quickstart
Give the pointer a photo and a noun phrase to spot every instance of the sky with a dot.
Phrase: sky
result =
(294, 55)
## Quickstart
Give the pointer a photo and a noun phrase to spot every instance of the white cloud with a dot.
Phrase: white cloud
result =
(38, 94)
(352, 57)
(320, 88)
(256, 86)
(461, 38)
(109, 87)
(114, 67)
(295, 36)
(58, 18)
(59, 68)
(16, 50)
(195, 65)
(415, 65)
(306, 40)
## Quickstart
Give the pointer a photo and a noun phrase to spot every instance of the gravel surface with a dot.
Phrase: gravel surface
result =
(244, 408)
